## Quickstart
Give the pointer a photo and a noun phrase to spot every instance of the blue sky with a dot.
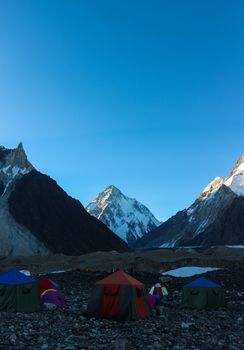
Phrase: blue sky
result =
(145, 95)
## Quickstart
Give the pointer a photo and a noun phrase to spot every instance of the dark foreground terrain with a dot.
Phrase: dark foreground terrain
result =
(176, 329)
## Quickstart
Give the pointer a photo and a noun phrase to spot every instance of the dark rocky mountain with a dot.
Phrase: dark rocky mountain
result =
(215, 218)
(228, 228)
(37, 216)
(15, 239)
(58, 220)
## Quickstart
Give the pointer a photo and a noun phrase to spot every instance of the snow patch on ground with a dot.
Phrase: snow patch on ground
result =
(188, 271)
(235, 246)
(59, 271)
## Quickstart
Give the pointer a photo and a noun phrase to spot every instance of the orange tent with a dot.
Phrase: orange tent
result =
(120, 297)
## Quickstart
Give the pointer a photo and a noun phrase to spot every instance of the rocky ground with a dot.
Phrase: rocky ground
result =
(140, 260)
(176, 329)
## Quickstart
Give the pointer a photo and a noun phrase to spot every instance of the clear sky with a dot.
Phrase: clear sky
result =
(145, 95)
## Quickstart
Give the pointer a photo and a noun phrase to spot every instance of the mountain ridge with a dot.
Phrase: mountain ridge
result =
(203, 221)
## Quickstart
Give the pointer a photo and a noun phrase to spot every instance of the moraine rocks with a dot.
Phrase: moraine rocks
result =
(176, 329)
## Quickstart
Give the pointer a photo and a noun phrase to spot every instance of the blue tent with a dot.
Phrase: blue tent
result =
(203, 293)
(18, 292)
(14, 277)
(202, 282)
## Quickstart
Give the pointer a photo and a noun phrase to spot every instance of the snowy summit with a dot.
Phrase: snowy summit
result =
(235, 181)
(125, 216)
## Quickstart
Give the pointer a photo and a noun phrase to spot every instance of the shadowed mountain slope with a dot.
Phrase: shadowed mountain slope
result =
(60, 222)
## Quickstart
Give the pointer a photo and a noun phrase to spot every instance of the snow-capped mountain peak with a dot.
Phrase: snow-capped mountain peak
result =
(215, 217)
(235, 181)
(227, 188)
(128, 218)
(109, 193)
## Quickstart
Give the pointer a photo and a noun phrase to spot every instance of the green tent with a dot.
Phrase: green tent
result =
(18, 292)
(203, 293)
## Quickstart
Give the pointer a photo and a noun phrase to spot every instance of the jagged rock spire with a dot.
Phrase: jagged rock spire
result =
(13, 163)
(20, 158)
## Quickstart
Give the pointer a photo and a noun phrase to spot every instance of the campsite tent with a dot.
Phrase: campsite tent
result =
(18, 292)
(120, 297)
(203, 293)
(53, 296)
(47, 284)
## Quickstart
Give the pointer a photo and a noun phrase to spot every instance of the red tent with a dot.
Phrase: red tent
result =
(46, 284)
(118, 296)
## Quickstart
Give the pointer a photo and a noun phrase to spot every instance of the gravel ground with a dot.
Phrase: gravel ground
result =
(176, 329)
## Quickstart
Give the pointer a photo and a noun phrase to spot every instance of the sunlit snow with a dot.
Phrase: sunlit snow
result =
(236, 180)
